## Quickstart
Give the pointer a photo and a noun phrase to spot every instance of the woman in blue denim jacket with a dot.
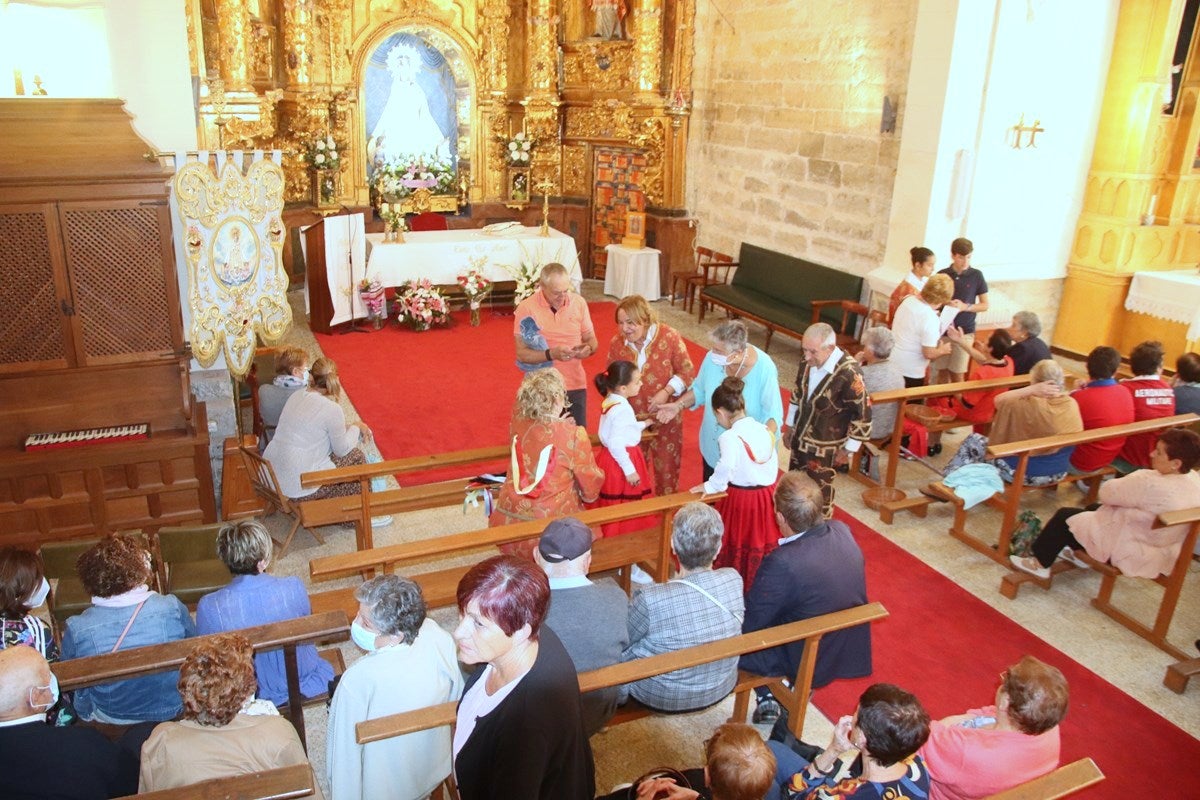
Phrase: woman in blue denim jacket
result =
(125, 613)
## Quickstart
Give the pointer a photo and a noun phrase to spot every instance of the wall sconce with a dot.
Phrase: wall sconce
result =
(1021, 128)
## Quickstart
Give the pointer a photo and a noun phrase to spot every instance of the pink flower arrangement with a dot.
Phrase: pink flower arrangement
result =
(475, 286)
(422, 306)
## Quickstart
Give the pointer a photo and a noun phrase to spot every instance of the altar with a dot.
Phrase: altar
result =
(1173, 296)
(441, 256)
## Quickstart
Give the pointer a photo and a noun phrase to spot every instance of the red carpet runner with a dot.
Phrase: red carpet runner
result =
(952, 661)
(453, 388)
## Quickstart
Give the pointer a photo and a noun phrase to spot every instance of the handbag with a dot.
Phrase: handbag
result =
(1028, 528)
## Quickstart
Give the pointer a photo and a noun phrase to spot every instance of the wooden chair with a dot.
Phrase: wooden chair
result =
(717, 270)
(849, 340)
(703, 256)
(273, 784)
(1062, 782)
(266, 486)
(189, 566)
(1172, 583)
(428, 221)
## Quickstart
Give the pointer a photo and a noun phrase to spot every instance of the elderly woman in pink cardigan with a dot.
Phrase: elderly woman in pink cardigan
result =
(1120, 529)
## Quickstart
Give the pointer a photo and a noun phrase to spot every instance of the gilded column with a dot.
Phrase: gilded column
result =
(542, 101)
(649, 45)
(298, 43)
(493, 113)
(1128, 168)
(233, 32)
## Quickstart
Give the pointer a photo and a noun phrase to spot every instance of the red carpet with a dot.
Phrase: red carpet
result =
(453, 388)
(952, 661)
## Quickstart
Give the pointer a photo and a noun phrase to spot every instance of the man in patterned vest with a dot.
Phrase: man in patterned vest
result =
(830, 412)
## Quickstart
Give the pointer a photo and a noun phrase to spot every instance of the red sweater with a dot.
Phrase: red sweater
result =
(1152, 399)
(1101, 403)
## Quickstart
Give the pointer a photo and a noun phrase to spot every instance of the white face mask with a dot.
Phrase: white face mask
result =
(52, 688)
(39, 594)
(718, 359)
(362, 637)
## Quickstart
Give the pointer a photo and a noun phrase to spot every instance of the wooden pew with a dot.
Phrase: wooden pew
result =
(1172, 584)
(650, 547)
(1008, 501)
(1179, 673)
(795, 700)
(358, 509)
(885, 497)
(273, 784)
(1062, 782)
(332, 626)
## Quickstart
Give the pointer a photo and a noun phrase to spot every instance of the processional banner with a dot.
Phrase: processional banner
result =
(233, 246)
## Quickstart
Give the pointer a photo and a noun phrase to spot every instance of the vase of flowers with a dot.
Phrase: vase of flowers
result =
(518, 150)
(421, 306)
(324, 158)
(526, 274)
(397, 178)
(370, 291)
(476, 287)
(394, 222)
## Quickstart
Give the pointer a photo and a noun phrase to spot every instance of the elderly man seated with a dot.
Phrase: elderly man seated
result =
(38, 760)
(700, 605)
(817, 569)
(1028, 349)
(880, 375)
(589, 617)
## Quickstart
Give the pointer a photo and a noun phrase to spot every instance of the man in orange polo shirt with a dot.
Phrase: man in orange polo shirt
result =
(562, 315)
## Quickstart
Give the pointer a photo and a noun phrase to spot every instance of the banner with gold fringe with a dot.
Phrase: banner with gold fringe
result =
(233, 245)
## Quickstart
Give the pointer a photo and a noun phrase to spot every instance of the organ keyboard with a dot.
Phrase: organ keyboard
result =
(86, 436)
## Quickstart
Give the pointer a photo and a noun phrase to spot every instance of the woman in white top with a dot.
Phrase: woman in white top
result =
(746, 471)
(313, 435)
(627, 477)
(917, 330)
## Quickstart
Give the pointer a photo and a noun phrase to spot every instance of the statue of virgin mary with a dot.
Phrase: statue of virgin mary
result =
(406, 126)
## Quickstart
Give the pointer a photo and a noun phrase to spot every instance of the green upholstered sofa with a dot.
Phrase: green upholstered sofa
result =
(778, 290)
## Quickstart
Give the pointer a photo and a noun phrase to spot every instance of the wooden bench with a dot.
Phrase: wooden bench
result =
(1008, 500)
(1062, 782)
(272, 784)
(1179, 673)
(650, 547)
(778, 290)
(331, 626)
(359, 509)
(1172, 584)
(795, 699)
(883, 496)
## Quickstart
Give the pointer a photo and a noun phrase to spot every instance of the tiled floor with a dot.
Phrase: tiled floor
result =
(1062, 617)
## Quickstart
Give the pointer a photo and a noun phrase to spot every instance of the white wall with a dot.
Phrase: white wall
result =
(1046, 60)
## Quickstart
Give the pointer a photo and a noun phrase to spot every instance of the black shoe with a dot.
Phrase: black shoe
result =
(767, 711)
(934, 450)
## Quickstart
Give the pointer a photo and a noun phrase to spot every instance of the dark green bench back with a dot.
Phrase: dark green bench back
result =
(793, 280)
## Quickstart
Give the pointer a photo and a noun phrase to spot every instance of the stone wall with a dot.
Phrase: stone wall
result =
(785, 149)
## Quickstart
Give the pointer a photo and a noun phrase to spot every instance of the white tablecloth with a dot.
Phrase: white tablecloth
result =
(1173, 296)
(442, 256)
(632, 271)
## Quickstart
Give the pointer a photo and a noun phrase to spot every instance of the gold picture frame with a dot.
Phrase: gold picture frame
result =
(635, 230)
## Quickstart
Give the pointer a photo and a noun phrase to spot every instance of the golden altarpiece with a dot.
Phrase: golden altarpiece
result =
(608, 117)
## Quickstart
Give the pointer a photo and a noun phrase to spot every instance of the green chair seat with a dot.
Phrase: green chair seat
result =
(191, 580)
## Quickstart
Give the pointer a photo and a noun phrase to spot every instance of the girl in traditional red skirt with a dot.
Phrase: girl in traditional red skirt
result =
(746, 472)
(626, 476)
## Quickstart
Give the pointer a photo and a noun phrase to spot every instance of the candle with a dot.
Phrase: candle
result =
(1153, 205)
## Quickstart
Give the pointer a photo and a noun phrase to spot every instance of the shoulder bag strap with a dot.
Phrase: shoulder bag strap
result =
(128, 625)
(717, 602)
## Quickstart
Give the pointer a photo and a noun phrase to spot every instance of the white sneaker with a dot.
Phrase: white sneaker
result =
(381, 522)
(639, 575)
(1067, 554)
(1030, 565)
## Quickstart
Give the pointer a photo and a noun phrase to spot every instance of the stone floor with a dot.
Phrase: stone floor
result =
(1063, 617)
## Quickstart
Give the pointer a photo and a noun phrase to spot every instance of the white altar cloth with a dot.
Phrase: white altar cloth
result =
(632, 271)
(442, 256)
(1173, 296)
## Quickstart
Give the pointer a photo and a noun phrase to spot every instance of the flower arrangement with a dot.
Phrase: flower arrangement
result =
(421, 305)
(398, 178)
(526, 274)
(370, 291)
(518, 150)
(476, 287)
(323, 153)
(395, 221)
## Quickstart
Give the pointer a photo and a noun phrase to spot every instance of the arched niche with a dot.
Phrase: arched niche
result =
(441, 66)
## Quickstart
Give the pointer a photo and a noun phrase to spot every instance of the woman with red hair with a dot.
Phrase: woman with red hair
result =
(520, 727)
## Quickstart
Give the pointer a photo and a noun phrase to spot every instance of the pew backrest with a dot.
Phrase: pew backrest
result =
(274, 784)
(1062, 782)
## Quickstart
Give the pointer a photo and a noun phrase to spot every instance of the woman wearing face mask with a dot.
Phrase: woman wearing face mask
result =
(291, 375)
(22, 589)
(409, 663)
(731, 356)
